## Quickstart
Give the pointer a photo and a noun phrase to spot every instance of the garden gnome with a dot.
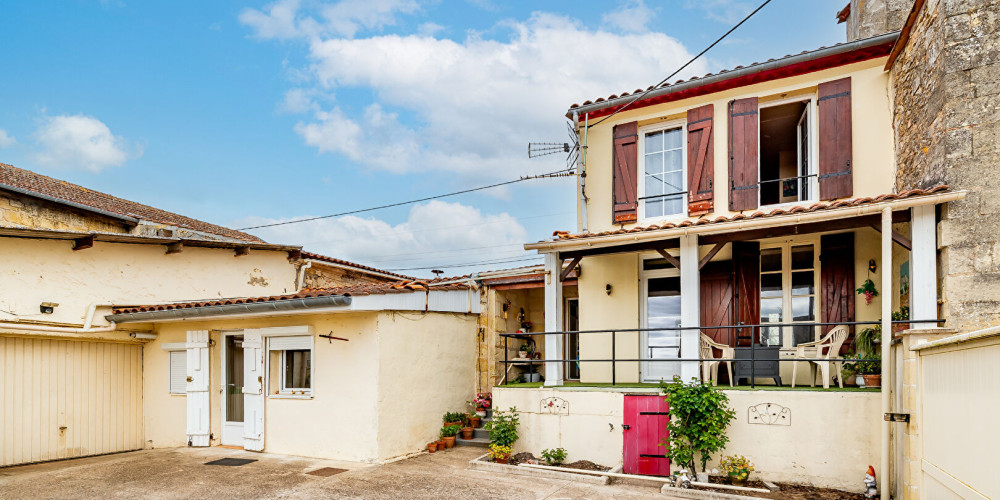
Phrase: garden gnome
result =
(871, 486)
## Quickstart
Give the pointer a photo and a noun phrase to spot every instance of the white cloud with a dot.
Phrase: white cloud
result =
(471, 106)
(6, 141)
(81, 142)
(287, 19)
(723, 11)
(436, 233)
(632, 16)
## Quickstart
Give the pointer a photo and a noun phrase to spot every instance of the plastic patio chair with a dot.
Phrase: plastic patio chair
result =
(827, 347)
(710, 369)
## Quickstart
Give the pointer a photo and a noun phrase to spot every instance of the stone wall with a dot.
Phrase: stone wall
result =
(24, 212)
(945, 92)
(874, 17)
(322, 276)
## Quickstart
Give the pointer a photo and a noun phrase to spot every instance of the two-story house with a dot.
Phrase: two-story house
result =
(738, 213)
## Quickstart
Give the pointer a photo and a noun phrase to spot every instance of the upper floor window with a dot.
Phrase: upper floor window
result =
(786, 165)
(662, 184)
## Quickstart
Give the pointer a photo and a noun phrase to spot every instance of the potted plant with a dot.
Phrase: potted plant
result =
(452, 418)
(554, 457)
(869, 365)
(448, 434)
(483, 401)
(499, 453)
(849, 371)
(440, 443)
(523, 352)
(467, 432)
(902, 314)
(432, 446)
(474, 419)
(737, 467)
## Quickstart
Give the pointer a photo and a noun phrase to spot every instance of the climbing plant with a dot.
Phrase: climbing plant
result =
(699, 416)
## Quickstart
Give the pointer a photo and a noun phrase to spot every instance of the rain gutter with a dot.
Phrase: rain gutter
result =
(252, 308)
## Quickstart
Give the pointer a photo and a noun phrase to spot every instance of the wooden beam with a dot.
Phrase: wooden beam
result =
(83, 243)
(670, 258)
(294, 254)
(568, 269)
(808, 228)
(241, 251)
(175, 247)
(711, 253)
(903, 241)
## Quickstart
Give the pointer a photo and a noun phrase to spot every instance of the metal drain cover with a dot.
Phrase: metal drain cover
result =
(326, 472)
(231, 462)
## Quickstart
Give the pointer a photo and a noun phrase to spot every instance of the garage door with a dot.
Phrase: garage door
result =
(64, 399)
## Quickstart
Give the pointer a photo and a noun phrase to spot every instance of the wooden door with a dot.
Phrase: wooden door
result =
(717, 301)
(645, 429)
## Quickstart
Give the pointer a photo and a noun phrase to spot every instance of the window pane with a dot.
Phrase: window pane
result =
(802, 334)
(770, 310)
(653, 163)
(652, 264)
(770, 259)
(672, 161)
(654, 185)
(672, 139)
(654, 142)
(673, 181)
(673, 205)
(297, 368)
(802, 308)
(770, 285)
(654, 207)
(802, 283)
(802, 257)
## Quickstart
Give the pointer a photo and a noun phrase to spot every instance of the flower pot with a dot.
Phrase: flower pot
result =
(852, 380)
(481, 412)
(739, 478)
(440, 443)
(449, 442)
(446, 424)
(475, 421)
(467, 432)
(432, 447)
(522, 354)
(502, 460)
(872, 380)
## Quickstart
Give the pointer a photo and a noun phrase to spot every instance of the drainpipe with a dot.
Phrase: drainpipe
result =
(582, 168)
(302, 274)
(885, 492)
(59, 329)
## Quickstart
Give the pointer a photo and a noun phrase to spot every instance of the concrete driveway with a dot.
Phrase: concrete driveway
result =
(182, 473)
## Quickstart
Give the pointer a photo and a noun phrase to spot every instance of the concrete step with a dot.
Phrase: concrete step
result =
(477, 442)
(481, 433)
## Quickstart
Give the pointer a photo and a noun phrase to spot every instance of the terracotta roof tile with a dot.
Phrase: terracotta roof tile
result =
(324, 258)
(36, 183)
(406, 286)
(797, 209)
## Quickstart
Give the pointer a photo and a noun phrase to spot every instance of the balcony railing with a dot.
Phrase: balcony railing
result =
(753, 349)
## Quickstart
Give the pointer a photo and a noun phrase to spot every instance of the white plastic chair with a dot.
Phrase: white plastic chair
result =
(710, 369)
(827, 347)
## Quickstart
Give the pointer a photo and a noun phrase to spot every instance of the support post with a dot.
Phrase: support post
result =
(690, 306)
(885, 487)
(923, 265)
(553, 319)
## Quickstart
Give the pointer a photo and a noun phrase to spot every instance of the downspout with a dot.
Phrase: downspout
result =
(302, 274)
(582, 168)
(59, 329)
(885, 490)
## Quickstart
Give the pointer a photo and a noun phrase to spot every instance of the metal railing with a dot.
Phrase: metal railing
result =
(753, 347)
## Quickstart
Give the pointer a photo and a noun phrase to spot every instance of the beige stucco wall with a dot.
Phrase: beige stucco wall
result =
(872, 136)
(832, 439)
(598, 311)
(51, 271)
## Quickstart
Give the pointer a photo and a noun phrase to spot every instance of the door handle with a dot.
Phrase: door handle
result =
(190, 379)
(626, 427)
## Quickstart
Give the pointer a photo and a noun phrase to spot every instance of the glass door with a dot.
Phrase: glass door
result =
(232, 392)
(572, 348)
(662, 316)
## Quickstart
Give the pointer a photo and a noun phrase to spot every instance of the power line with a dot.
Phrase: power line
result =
(557, 173)
(466, 264)
(693, 59)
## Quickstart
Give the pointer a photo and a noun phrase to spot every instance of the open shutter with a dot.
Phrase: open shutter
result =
(253, 390)
(198, 407)
(837, 281)
(625, 172)
(743, 135)
(700, 147)
(717, 302)
(834, 102)
(746, 260)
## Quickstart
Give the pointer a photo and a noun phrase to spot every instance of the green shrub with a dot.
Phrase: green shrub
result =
(450, 430)
(699, 416)
(554, 457)
(451, 416)
(503, 427)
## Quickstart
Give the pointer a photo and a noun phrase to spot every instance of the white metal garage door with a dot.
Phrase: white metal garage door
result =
(65, 398)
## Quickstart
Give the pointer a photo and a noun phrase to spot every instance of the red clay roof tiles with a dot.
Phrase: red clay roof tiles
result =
(324, 258)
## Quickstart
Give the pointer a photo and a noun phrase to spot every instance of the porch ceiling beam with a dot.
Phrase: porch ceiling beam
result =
(568, 269)
(898, 238)
(711, 253)
(812, 227)
(627, 248)
(674, 261)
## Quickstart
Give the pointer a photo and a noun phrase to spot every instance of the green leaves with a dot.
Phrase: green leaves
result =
(699, 415)
(503, 427)
(554, 457)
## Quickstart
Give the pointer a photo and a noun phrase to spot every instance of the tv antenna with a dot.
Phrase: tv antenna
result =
(571, 149)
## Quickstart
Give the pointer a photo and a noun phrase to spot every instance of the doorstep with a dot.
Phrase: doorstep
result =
(480, 464)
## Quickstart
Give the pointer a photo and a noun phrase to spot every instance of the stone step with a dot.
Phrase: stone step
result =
(477, 442)
(481, 433)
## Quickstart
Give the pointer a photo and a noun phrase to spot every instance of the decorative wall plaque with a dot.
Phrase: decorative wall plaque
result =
(554, 406)
(769, 414)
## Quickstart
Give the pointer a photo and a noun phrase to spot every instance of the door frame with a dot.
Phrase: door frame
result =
(644, 277)
(224, 397)
(566, 340)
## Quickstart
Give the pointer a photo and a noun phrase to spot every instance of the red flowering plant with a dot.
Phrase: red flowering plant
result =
(483, 401)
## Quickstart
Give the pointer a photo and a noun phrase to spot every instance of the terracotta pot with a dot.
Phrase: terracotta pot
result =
(475, 421)
(502, 460)
(432, 447)
(449, 442)
(522, 354)
(440, 443)
(467, 432)
(852, 380)
(446, 424)
(739, 479)
(872, 380)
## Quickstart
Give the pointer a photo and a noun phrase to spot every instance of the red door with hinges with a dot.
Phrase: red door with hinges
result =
(645, 427)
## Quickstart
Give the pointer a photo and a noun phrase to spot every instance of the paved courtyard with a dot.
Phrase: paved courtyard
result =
(182, 473)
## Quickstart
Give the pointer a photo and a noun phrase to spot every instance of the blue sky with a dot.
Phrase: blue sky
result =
(243, 113)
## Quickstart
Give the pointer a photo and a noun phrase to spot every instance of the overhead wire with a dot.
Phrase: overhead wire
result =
(466, 264)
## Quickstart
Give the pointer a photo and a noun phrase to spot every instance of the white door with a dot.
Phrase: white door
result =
(198, 427)
(232, 389)
(661, 313)
(253, 390)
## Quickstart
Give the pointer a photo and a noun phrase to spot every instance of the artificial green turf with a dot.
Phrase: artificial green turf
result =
(532, 385)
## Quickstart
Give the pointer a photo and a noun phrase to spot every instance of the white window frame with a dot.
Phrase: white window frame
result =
(644, 277)
(291, 392)
(786, 285)
(641, 169)
(170, 375)
(282, 384)
(811, 108)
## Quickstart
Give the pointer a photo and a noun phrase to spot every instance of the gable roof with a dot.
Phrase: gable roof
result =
(359, 267)
(773, 69)
(29, 183)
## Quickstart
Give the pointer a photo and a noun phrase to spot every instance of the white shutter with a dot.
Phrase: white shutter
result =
(178, 372)
(253, 390)
(298, 342)
(198, 424)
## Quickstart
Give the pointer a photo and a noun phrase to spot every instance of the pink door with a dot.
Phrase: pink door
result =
(645, 428)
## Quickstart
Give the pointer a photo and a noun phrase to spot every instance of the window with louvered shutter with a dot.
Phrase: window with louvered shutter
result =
(178, 372)
(835, 170)
(624, 172)
(743, 135)
(700, 159)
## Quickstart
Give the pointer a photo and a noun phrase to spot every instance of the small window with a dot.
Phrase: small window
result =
(662, 187)
(786, 173)
(291, 365)
(178, 372)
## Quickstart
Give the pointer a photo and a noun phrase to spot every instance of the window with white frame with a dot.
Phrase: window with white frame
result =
(291, 365)
(662, 185)
(178, 371)
(788, 294)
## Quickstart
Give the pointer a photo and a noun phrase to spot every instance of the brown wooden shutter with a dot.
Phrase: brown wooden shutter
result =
(743, 136)
(700, 159)
(717, 301)
(625, 171)
(746, 261)
(837, 287)
(834, 102)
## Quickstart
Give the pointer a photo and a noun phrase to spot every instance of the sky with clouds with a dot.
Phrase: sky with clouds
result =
(250, 113)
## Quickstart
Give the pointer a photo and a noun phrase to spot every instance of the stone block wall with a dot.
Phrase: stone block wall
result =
(322, 276)
(24, 212)
(874, 17)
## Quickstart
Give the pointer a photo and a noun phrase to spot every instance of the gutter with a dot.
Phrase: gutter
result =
(279, 306)
(741, 225)
(743, 72)
(58, 329)
(60, 201)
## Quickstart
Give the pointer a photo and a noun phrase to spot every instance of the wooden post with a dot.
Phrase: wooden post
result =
(923, 266)
(690, 306)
